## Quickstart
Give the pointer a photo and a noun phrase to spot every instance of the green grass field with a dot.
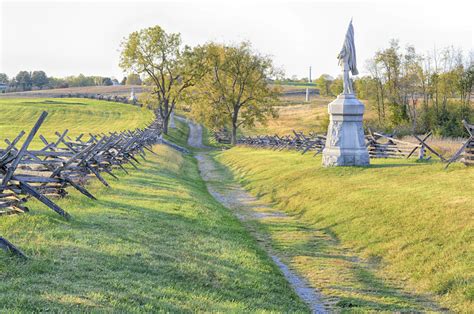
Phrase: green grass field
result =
(393, 236)
(78, 115)
(155, 241)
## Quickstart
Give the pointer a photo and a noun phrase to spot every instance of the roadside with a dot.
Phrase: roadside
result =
(325, 274)
(247, 208)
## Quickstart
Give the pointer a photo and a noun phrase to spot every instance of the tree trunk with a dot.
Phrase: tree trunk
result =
(234, 134)
(165, 125)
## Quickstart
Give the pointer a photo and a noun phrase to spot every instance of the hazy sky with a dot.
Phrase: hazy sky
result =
(72, 37)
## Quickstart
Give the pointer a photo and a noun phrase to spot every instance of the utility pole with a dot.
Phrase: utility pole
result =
(307, 87)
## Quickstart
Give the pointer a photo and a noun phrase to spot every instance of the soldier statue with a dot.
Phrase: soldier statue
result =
(347, 59)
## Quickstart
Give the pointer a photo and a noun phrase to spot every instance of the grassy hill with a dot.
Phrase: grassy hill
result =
(155, 241)
(409, 223)
(77, 115)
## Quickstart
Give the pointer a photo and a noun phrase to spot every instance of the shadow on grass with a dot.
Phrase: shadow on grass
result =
(352, 281)
(360, 288)
(131, 251)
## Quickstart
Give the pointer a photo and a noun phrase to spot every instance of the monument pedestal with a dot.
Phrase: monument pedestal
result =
(345, 143)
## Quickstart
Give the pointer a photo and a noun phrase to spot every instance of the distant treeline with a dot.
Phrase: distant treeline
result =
(37, 80)
(415, 92)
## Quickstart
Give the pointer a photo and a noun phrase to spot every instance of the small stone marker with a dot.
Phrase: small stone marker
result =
(133, 98)
(345, 144)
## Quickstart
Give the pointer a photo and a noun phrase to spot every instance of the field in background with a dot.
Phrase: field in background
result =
(75, 114)
(119, 90)
(297, 114)
(406, 221)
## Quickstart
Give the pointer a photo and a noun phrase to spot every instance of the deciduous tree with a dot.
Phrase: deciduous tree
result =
(168, 67)
(23, 79)
(235, 90)
(134, 79)
(39, 79)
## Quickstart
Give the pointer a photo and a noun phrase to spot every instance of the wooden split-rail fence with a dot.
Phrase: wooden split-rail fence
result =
(62, 162)
(297, 141)
(114, 98)
(465, 154)
(379, 145)
(222, 136)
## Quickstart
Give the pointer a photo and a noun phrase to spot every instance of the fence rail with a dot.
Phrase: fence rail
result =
(379, 145)
(63, 162)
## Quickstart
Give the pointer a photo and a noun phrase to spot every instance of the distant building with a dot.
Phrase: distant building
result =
(3, 87)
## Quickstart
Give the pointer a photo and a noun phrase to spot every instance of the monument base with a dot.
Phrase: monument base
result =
(345, 142)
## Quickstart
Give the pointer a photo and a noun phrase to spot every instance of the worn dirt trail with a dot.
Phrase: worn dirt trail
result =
(248, 208)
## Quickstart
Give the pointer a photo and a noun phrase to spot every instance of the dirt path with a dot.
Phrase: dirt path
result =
(248, 208)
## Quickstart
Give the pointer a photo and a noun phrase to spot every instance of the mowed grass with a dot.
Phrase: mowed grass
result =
(361, 234)
(155, 241)
(77, 115)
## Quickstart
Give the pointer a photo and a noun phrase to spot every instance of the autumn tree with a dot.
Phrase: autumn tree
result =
(167, 66)
(324, 84)
(235, 91)
(337, 86)
(133, 79)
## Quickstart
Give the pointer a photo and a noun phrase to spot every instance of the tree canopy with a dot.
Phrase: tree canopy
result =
(168, 67)
(235, 90)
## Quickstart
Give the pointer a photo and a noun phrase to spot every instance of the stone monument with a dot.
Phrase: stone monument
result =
(345, 142)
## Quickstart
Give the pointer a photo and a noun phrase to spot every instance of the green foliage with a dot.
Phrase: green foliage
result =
(82, 80)
(4, 78)
(107, 81)
(39, 79)
(23, 79)
(407, 219)
(133, 79)
(324, 85)
(235, 90)
(337, 86)
(423, 92)
(169, 69)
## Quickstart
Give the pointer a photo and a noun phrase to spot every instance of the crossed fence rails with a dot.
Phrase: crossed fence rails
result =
(379, 145)
(45, 174)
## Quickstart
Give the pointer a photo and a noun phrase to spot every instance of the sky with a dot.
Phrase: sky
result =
(71, 37)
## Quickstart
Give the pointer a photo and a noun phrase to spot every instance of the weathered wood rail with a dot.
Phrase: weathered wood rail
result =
(379, 145)
(297, 141)
(222, 136)
(465, 154)
(114, 98)
(63, 162)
